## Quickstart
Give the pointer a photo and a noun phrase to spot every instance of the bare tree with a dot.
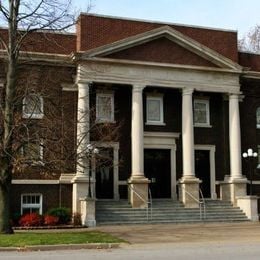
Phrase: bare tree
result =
(251, 41)
(23, 18)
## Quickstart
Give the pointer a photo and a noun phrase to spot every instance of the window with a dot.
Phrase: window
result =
(33, 106)
(105, 107)
(31, 203)
(33, 152)
(154, 110)
(201, 112)
(258, 117)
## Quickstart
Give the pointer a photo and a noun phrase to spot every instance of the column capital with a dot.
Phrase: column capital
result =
(83, 84)
(138, 88)
(187, 91)
(235, 95)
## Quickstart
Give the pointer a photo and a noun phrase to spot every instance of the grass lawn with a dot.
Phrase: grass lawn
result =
(55, 238)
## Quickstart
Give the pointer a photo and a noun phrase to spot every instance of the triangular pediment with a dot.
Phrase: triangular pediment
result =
(161, 50)
(154, 42)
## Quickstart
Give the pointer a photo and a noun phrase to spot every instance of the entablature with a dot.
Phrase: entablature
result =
(160, 75)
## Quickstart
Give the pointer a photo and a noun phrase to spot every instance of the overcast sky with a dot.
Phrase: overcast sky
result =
(240, 15)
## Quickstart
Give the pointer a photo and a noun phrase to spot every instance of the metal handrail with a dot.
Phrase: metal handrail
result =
(197, 200)
(151, 202)
(203, 203)
(144, 200)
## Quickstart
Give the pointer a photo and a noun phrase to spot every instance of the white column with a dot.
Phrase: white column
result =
(80, 181)
(138, 184)
(82, 128)
(137, 133)
(234, 137)
(187, 134)
(234, 186)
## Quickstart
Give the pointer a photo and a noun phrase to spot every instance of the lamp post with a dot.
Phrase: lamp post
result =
(250, 155)
(91, 150)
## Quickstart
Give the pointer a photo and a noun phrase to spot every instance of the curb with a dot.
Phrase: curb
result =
(62, 247)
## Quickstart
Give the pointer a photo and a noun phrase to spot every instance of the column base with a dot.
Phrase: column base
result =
(231, 188)
(88, 212)
(249, 206)
(189, 191)
(138, 192)
(80, 190)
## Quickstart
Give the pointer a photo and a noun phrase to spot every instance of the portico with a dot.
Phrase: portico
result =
(221, 78)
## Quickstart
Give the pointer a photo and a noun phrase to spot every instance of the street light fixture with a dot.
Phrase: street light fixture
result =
(250, 155)
(91, 150)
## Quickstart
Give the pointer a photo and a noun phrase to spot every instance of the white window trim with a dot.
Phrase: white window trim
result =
(24, 206)
(112, 116)
(32, 115)
(205, 101)
(160, 99)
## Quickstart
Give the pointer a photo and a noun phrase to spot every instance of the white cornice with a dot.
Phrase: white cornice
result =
(27, 182)
(53, 58)
(173, 35)
(251, 75)
(162, 65)
(69, 87)
(65, 178)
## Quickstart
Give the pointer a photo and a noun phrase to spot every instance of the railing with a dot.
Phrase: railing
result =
(147, 202)
(150, 201)
(201, 204)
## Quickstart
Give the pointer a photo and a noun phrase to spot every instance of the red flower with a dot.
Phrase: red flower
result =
(30, 220)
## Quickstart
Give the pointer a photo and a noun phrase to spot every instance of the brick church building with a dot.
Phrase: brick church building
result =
(186, 100)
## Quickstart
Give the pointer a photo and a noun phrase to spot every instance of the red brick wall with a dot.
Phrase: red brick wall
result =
(46, 42)
(162, 50)
(249, 60)
(59, 108)
(53, 196)
(97, 31)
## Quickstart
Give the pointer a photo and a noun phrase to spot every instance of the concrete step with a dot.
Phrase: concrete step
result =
(165, 211)
(133, 222)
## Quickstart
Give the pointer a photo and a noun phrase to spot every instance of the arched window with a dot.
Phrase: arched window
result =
(33, 106)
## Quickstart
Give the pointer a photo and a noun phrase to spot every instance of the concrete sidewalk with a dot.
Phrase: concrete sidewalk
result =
(182, 233)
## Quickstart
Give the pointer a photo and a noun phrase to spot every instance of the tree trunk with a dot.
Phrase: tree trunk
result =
(5, 192)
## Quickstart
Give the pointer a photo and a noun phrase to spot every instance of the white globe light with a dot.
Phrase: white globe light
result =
(255, 154)
(96, 151)
(250, 152)
(244, 155)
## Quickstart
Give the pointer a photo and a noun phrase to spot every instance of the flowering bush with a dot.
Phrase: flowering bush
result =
(30, 220)
(51, 220)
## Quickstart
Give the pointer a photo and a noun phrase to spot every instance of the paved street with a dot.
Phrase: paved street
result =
(207, 251)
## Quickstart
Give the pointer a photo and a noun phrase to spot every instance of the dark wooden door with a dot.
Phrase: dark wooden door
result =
(202, 171)
(157, 168)
(105, 174)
